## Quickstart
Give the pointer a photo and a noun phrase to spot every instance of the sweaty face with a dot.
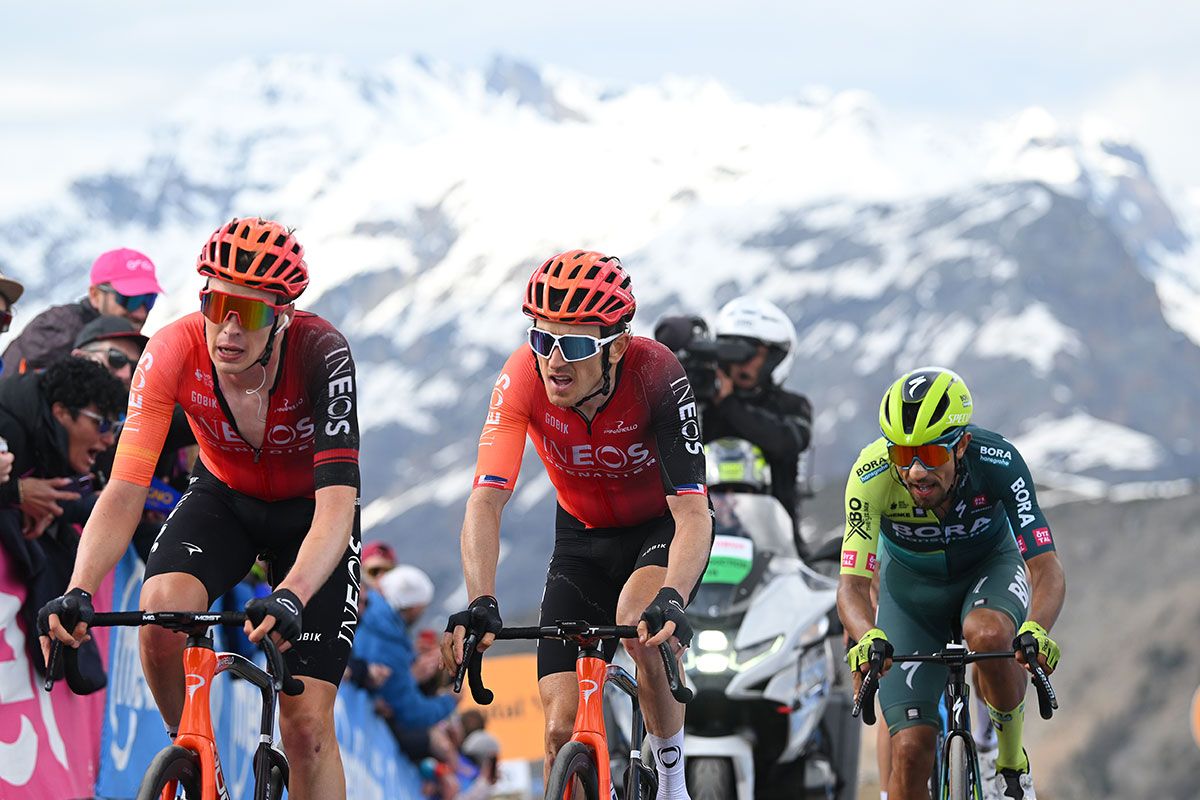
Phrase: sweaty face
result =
(568, 382)
(929, 488)
(231, 347)
(745, 375)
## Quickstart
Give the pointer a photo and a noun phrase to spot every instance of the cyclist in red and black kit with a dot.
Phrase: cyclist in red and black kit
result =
(269, 392)
(614, 420)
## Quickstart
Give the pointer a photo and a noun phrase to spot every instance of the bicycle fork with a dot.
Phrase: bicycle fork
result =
(591, 670)
(958, 702)
(195, 725)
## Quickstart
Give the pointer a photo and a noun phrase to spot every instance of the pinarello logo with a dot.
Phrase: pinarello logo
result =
(1042, 536)
(849, 558)
(1021, 543)
(872, 562)
(980, 501)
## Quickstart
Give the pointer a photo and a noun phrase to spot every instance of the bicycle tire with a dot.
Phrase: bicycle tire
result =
(172, 763)
(574, 760)
(958, 772)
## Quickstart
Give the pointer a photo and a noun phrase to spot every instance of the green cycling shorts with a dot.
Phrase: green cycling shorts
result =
(920, 614)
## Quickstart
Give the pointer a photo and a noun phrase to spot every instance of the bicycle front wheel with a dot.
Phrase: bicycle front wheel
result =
(173, 765)
(959, 783)
(573, 761)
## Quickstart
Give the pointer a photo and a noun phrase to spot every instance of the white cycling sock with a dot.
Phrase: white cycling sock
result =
(171, 731)
(668, 758)
(882, 795)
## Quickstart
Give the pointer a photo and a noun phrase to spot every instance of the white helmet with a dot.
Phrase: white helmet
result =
(753, 318)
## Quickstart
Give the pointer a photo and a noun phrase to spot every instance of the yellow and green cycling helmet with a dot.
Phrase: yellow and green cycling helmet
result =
(923, 406)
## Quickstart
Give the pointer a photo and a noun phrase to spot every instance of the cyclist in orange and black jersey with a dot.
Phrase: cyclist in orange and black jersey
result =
(270, 395)
(614, 420)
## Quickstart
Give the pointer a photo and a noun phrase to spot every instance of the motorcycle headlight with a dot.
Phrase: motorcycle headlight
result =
(712, 641)
(712, 663)
(747, 657)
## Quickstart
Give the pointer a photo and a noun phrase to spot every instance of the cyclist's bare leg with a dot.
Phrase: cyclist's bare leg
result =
(161, 649)
(912, 763)
(1002, 682)
(306, 725)
(560, 698)
(663, 714)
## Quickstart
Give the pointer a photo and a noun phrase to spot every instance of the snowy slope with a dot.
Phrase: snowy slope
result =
(1041, 262)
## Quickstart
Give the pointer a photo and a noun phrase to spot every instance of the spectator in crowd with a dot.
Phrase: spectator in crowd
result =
(117, 344)
(482, 750)
(10, 292)
(382, 638)
(114, 342)
(56, 422)
(409, 591)
(377, 558)
(123, 284)
(471, 720)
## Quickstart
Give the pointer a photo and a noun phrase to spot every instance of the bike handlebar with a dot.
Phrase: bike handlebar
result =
(171, 620)
(581, 633)
(864, 700)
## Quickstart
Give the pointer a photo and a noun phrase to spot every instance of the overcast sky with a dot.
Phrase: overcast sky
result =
(79, 79)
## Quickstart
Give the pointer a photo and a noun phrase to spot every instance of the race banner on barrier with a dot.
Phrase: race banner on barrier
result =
(48, 742)
(133, 731)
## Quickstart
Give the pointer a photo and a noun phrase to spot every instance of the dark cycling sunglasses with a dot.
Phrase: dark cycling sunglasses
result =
(6, 318)
(114, 357)
(573, 346)
(130, 302)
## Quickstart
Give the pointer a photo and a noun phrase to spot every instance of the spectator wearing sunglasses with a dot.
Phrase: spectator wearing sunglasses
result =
(114, 342)
(378, 558)
(56, 422)
(123, 284)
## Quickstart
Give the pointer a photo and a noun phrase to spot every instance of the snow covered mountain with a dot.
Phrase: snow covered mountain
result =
(1042, 263)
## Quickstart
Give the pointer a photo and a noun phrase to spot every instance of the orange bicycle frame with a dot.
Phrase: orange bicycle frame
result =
(592, 672)
(195, 725)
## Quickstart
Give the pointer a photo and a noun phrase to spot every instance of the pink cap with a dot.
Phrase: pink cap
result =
(127, 271)
(378, 548)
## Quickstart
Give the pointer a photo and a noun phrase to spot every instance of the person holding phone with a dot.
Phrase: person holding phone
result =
(55, 422)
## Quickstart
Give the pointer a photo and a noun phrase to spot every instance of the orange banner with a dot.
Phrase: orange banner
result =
(515, 716)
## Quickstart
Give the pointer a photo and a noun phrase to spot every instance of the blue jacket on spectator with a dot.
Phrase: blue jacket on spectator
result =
(382, 638)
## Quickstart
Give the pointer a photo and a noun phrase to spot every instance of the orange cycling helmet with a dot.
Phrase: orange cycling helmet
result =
(257, 253)
(580, 287)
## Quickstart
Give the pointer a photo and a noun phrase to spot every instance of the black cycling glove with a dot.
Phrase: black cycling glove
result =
(482, 616)
(668, 606)
(285, 606)
(72, 608)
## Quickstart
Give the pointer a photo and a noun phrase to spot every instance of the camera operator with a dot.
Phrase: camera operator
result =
(738, 377)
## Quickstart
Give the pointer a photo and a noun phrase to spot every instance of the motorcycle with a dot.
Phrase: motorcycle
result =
(771, 715)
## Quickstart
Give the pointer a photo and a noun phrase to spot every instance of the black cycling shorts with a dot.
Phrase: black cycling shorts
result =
(215, 533)
(588, 570)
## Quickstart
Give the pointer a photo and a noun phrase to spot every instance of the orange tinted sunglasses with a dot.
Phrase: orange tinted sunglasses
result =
(931, 455)
(252, 314)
